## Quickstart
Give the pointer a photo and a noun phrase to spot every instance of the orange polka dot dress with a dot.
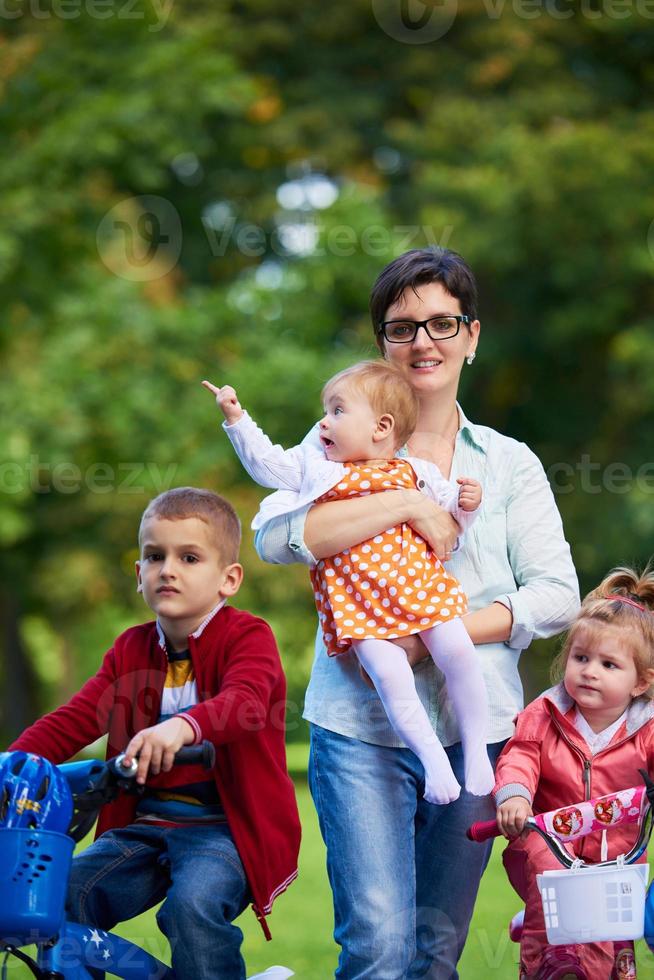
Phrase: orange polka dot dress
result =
(389, 586)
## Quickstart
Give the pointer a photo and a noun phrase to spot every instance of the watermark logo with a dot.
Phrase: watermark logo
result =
(155, 12)
(591, 476)
(415, 21)
(35, 475)
(567, 9)
(302, 238)
(140, 238)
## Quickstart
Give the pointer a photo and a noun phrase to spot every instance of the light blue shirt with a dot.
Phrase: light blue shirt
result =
(515, 553)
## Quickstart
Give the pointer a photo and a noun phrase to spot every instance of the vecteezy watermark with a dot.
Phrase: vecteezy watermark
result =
(38, 476)
(131, 700)
(496, 948)
(159, 10)
(424, 21)
(340, 240)
(565, 9)
(587, 476)
(140, 238)
(415, 21)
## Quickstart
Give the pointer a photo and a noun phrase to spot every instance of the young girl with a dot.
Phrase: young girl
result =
(583, 738)
(392, 585)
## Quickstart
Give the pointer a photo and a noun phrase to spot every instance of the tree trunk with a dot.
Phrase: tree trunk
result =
(19, 694)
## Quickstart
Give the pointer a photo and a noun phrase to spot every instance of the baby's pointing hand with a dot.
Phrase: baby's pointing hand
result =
(226, 400)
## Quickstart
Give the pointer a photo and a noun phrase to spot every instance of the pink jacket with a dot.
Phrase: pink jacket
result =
(548, 762)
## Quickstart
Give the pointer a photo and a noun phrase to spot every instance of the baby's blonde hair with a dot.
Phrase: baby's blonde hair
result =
(624, 599)
(387, 390)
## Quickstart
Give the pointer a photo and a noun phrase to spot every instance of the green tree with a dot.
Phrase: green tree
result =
(526, 143)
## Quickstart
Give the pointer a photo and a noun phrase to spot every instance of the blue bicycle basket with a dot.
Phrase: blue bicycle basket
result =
(35, 852)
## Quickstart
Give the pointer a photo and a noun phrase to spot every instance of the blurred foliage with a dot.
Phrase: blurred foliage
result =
(524, 141)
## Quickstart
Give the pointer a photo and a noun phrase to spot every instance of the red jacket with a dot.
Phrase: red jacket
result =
(241, 709)
(548, 761)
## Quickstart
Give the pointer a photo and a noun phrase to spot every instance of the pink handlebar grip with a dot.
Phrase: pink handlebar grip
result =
(569, 823)
(483, 830)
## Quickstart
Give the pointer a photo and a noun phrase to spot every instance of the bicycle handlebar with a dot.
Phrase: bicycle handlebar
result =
(569, 823)
(203, 754)
(483, 830)
(94, 783)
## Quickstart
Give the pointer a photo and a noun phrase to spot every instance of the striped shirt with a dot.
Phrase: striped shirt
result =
(186, 794)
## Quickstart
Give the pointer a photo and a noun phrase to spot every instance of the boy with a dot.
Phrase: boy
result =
(206, 844)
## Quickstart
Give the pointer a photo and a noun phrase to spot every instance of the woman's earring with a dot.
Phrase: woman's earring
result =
(470, 358)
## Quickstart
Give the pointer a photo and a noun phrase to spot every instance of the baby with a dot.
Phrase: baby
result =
(392, 585)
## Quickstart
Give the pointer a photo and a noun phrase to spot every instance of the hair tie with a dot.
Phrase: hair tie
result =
(630, 602)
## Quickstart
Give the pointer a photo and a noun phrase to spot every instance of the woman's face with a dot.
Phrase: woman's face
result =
(432, 366)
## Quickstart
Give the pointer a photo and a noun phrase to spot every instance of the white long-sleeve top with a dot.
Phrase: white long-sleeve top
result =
(303, 473)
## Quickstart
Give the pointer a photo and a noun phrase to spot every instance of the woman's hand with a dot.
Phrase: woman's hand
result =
(431, 522)
(414, 648)
(511, 815)
(490, 624)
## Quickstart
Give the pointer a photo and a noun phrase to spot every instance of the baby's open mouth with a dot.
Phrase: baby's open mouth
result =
(326, 442)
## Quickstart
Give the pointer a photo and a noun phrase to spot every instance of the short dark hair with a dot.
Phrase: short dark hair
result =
(181, 503)
(418, 267)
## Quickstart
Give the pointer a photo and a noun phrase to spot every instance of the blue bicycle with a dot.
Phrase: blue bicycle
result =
(44, 811)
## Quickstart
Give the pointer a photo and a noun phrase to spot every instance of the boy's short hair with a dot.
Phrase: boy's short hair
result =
(183, 502)
(387, 390)
(418, 267)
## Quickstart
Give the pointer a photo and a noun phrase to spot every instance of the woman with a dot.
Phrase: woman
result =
(403, 876)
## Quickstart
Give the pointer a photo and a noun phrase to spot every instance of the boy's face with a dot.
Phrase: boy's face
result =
(181, 572)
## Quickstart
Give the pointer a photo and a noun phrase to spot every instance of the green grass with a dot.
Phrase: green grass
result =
(301, 922)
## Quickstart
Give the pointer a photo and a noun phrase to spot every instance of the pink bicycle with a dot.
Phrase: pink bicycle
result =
(591, 902)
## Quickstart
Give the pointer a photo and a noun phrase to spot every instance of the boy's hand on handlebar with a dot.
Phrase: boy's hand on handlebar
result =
(156, 747)
(511, 816)
(469, 493)
(227, 401)
(431, 522)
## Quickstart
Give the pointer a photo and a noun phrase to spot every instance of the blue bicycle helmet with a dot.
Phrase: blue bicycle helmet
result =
(33, 793)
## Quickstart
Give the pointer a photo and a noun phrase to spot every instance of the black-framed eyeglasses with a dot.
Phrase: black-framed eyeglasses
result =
(436, 327)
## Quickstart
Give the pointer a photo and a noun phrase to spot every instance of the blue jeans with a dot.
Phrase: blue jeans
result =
(195, 871)
(404, 877)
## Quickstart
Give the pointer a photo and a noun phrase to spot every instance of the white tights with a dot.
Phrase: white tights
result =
(453, 652)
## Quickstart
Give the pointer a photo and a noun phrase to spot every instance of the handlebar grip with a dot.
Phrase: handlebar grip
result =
(203, 754)
(483, 830)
